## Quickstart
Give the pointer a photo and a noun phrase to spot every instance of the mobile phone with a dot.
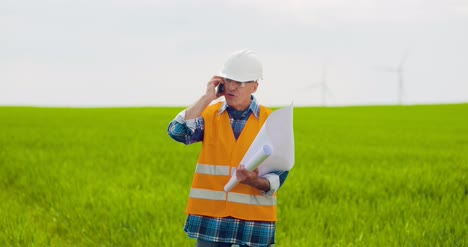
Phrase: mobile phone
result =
(220, 89)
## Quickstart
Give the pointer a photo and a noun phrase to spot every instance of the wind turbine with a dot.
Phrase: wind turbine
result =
(399, 71)
(324, 89)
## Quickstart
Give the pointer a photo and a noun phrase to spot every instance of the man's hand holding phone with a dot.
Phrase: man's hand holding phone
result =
(220, 89)
(215, 88)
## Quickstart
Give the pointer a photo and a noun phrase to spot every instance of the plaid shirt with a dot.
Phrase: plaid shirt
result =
(226, 230)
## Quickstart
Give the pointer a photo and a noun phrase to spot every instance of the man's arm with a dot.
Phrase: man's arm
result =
(187, 132)
(268, 184)
(188, 126)
(252, 179)
(196, 109)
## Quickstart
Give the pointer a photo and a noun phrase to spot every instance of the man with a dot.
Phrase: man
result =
(246, 215)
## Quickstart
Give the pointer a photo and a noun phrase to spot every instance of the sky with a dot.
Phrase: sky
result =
(106, 53)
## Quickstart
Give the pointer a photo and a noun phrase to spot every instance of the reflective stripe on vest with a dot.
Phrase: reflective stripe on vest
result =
(221, 195)
(208, 194)
(252, 200)
(213, 170)
(233, 197)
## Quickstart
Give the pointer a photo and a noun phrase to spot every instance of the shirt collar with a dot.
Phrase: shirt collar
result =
(254, 107)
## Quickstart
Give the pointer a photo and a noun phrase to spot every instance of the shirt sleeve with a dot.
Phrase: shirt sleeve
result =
(276, 180)
(186, 131)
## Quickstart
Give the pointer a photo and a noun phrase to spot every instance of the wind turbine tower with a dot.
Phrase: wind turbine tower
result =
(322, 85)
(325, 90)
(399, 70)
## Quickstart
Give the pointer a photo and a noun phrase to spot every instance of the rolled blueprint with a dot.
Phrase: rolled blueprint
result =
(251, 165)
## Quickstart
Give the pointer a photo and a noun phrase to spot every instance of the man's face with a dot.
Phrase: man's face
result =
(238, 94)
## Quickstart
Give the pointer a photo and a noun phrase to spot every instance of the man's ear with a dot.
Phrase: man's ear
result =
(254, 89)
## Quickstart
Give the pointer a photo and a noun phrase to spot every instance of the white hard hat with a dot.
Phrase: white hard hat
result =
(242, 66)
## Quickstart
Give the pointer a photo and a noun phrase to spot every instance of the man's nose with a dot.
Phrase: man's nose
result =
(232, 86)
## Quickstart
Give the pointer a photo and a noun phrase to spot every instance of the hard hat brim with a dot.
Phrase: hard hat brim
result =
(220, 73)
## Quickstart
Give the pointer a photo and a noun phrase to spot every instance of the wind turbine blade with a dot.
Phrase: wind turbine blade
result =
(403, 59)
(324, 77)
(328, 91)
(385, 69)
(310, 86)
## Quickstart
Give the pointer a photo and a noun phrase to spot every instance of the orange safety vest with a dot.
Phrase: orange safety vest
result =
(219, 156)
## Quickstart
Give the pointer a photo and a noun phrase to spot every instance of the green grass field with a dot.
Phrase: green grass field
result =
(364, 176)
